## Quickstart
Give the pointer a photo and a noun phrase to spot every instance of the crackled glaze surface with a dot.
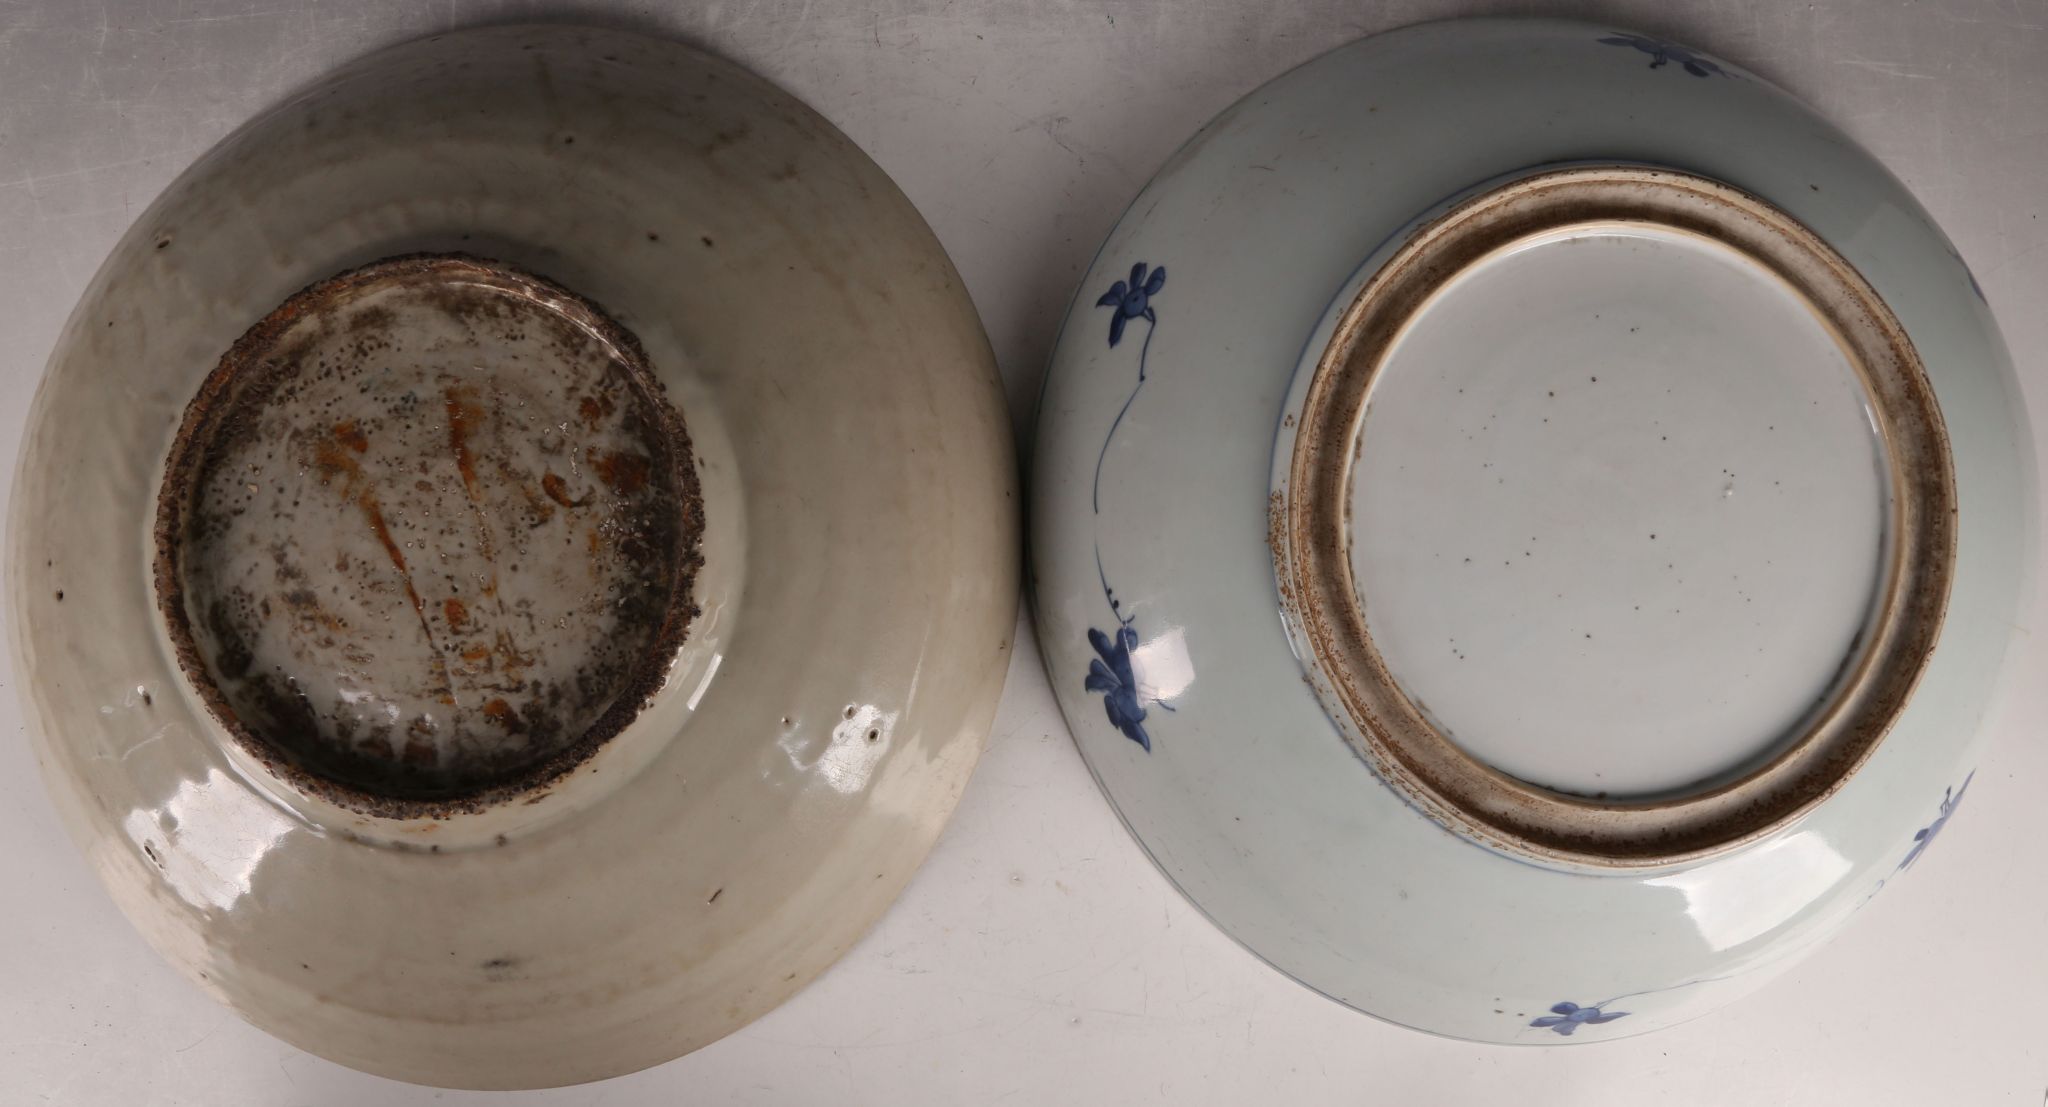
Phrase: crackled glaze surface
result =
(430, 525)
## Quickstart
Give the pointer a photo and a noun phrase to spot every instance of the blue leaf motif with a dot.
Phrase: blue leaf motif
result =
(1664, 53)
(1111, 673)
(1565, 1018)
(1926, 835)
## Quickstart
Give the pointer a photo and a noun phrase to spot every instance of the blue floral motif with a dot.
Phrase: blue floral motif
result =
(1133, 300)
(1568, 1017)
(1927, 833)
(1111, 672)
(1664, 53)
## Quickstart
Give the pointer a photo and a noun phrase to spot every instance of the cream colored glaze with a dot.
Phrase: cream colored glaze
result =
(858, 592)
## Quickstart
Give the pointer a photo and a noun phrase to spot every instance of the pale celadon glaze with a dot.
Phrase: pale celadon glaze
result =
(1164, 434)
(855, 601)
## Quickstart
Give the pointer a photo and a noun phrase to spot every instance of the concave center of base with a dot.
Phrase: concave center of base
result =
(428, 533)
(1618, 511)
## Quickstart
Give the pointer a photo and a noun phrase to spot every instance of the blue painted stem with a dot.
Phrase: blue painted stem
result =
(1108, 596)
(1095, 497)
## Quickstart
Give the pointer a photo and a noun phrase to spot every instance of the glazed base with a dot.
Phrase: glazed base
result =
(1533, 422)
(1618, 516)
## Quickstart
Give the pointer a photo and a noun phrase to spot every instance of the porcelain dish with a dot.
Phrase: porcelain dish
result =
(1527, 524)
(514, 557)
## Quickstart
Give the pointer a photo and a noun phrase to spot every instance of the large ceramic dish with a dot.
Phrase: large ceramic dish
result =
(844, 501)
(1528, 519)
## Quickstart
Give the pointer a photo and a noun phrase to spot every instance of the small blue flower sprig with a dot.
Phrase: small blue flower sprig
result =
(1664, 53)
(1111, 672)
(1565, 1018)
(1926, 835)
(1131, 300)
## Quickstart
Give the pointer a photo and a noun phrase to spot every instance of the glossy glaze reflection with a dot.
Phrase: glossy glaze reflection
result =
(859, 537)
(1206, 723)
(430, 528)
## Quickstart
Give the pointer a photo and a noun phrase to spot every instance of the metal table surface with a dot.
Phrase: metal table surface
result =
(1038, 957)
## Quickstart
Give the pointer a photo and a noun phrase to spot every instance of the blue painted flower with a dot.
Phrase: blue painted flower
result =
(1663, 53)
(1925, 837)
(1110, 674)
(1567, 1017)
(1132, 300)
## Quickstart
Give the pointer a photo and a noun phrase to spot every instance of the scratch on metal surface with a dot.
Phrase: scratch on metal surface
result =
(32, 181)
(1889, 69)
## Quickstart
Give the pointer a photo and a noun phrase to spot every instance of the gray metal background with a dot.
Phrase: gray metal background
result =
(1038, 958)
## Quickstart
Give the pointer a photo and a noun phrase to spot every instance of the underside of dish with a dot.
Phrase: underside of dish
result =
(427, 535)
(434, 548)
(1535, 549)
(1735, 780)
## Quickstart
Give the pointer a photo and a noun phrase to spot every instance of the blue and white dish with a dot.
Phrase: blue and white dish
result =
(1528, 520)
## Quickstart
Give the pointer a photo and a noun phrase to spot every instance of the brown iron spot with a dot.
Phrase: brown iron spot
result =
(331, 463)
(594, 409)
(348, 434)
(463, 415)
(558, 491)
(624, 473)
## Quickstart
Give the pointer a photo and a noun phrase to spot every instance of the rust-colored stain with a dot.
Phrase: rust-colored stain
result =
(375, 514)
(348, 434)
(463, 416)
(332, 463)
(594, 409)
(419, 750)
(623, 473)
(539, 511)
(310, 499)
(558, 491)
